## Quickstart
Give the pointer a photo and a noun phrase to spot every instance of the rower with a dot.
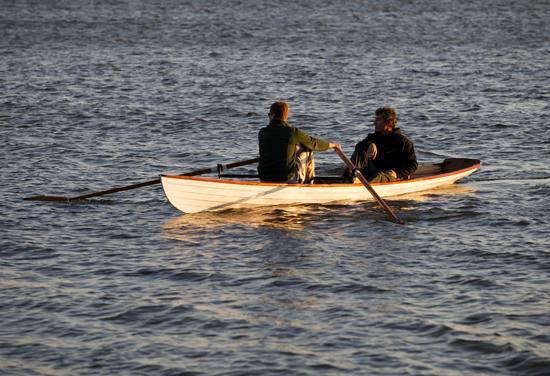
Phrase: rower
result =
(286, 152)
(385, 155)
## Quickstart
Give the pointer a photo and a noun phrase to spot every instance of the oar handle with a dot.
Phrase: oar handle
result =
(367, 185)
(241, 163)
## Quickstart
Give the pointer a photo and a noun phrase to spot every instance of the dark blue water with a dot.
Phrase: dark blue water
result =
(98, 94)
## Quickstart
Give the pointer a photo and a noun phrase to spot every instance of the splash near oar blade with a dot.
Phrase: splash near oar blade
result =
(143, 184)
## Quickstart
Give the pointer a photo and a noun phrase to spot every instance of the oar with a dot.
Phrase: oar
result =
(369, 187)
(144, 184)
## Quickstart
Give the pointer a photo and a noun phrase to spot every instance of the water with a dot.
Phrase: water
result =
(102, 94)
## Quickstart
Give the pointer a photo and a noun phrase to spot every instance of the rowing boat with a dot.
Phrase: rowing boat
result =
(195, 194)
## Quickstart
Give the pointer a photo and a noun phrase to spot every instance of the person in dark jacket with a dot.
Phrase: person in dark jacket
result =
(385, 155)
(286, 152)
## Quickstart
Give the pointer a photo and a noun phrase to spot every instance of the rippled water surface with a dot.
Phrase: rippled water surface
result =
(98, 94)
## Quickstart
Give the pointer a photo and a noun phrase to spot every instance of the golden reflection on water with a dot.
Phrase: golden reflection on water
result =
(448, 190)
(288, 218)
(292, 218)
(429, 195)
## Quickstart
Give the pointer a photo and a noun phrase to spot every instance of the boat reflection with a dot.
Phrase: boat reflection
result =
(434, 194)
(298, 217)
(287, 218)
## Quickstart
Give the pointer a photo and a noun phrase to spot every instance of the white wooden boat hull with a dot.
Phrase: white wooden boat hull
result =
(196, 194)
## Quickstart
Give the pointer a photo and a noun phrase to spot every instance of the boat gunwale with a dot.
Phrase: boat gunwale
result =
(475, 166)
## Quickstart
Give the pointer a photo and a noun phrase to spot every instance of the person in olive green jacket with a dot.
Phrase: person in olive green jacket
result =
(286, 152)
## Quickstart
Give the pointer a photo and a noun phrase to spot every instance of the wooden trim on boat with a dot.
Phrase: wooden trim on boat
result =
(476, 164)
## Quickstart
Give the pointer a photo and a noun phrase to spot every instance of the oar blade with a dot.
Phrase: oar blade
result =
(47, 198)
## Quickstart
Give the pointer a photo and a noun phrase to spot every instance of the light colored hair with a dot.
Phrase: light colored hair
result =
(280, 110)
(388, 114)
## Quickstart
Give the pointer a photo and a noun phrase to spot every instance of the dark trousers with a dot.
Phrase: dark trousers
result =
(367, 168)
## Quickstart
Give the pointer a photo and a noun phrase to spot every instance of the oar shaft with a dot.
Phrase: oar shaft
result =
(369, 187)
(157, 181)
(115, 190)
(146, 183)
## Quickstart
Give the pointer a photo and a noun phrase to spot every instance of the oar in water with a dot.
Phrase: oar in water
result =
(144, 184)
(369, 187)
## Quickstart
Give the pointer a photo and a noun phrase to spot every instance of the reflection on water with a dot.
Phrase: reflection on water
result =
(293, 218)
(284, 217)
(428, 195)
(118, 91)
